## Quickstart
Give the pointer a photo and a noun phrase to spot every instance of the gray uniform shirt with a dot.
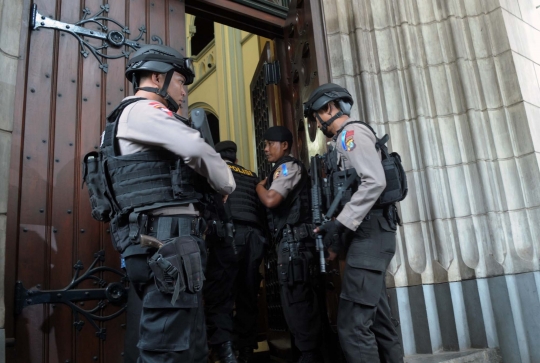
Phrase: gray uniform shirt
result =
(355, 146)
(286, 177)
(148, 124)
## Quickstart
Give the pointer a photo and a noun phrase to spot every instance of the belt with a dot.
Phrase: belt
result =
(163, 227)
(374, 212)
(302, 231)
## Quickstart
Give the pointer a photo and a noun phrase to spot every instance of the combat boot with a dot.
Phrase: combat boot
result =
(245, 354)
(310, 357)
(225, 353)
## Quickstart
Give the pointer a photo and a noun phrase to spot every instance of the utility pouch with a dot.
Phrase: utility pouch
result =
(284, 255)
(93, 176)
(299, 269)
(177, 267)
(180, 189)
(168, 274)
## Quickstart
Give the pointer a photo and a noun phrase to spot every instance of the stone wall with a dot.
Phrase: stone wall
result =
(456, 85)
(10, 27)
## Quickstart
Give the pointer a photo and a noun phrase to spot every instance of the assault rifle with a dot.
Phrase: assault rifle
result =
(200, 123)
(317, 205)
(322, 187)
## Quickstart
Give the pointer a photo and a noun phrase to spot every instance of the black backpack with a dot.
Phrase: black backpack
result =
(396, 179)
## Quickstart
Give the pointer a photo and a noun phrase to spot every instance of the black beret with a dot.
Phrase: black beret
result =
(225, 145)
(278, 133)
(227, 150)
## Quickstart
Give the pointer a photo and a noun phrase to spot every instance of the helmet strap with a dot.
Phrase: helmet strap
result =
(324, 125)
(172, 105)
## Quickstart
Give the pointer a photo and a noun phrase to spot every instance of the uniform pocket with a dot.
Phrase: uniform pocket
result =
(387, 236)
(363, 279)
(166, 327)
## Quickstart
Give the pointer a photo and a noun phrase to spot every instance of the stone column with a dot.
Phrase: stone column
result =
(456, 85)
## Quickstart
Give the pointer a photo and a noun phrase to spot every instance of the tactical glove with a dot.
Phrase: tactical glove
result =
(334, 233)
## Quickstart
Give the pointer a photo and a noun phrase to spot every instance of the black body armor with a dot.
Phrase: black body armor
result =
(295, 209)
(137, 182)
(245, 205)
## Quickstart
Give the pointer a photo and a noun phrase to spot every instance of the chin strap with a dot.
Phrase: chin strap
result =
(171, 104)
(324, 125)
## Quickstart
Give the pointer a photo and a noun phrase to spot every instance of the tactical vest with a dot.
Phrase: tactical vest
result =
(245, 204)
(141, 181)
(396, 180)
(296, 208)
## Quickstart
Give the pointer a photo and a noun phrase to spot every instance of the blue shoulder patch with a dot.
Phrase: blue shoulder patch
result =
(284, 170)
(343, 142)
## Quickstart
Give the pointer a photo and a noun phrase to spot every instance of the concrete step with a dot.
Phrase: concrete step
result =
(466, 356)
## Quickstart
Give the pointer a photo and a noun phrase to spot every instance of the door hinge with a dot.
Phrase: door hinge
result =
(272, 73)
(115, 38)
(109, 292)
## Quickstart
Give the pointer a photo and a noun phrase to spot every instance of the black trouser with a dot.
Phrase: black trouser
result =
(227, 275)
(366, 331)
(167, 333)
(299, 300)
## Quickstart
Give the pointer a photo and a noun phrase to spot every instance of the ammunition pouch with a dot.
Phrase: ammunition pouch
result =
(293, 260)
(177, 267)
(100, 200)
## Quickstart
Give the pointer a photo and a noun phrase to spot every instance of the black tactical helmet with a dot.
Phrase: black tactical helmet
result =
(159, 59)
(324, 94)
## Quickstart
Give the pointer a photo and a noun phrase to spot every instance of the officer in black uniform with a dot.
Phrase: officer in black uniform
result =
(364, 230)
(152, 162)
(285, 193)
(233, 278)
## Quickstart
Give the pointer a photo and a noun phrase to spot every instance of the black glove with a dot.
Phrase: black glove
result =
(332, 235)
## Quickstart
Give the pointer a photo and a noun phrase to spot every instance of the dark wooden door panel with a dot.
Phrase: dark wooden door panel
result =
(63, 98)
(302, 51)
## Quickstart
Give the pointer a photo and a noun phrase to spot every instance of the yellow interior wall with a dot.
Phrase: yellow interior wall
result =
(226, 92)
(206, 94)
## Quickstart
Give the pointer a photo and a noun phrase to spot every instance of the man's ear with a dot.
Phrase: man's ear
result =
(285, 145)
(156, 78)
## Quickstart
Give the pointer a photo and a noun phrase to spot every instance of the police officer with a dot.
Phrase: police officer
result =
(233, 277)
(153, 161)
(285, 193)
(365, 328)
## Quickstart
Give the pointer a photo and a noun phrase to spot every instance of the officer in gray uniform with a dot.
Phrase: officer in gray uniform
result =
(362, 230)
(233, 278)
(153, 163)
(285, 193)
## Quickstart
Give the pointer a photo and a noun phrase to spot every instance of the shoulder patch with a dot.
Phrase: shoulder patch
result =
(160, 107)
(282, 170)
(347, 140)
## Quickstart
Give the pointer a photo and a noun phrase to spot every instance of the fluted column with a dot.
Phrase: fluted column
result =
(456, 85)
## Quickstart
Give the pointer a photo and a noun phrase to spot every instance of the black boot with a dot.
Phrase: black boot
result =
(310, 357)
(225, 353)
(245, 354)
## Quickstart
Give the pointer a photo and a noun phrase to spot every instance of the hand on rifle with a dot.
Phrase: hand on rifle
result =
(225, 197)
(332, 232)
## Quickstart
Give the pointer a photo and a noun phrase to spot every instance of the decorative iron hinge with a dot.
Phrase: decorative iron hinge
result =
(110, 38)
(272, 73)
(114, 293)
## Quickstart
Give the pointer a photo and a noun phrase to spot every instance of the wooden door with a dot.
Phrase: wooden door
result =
(303, 55)
(64, 93)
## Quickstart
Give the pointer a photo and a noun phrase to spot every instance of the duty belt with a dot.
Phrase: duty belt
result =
(166, 226)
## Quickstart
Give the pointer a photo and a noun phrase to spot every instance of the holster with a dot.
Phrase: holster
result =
(177, 267)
